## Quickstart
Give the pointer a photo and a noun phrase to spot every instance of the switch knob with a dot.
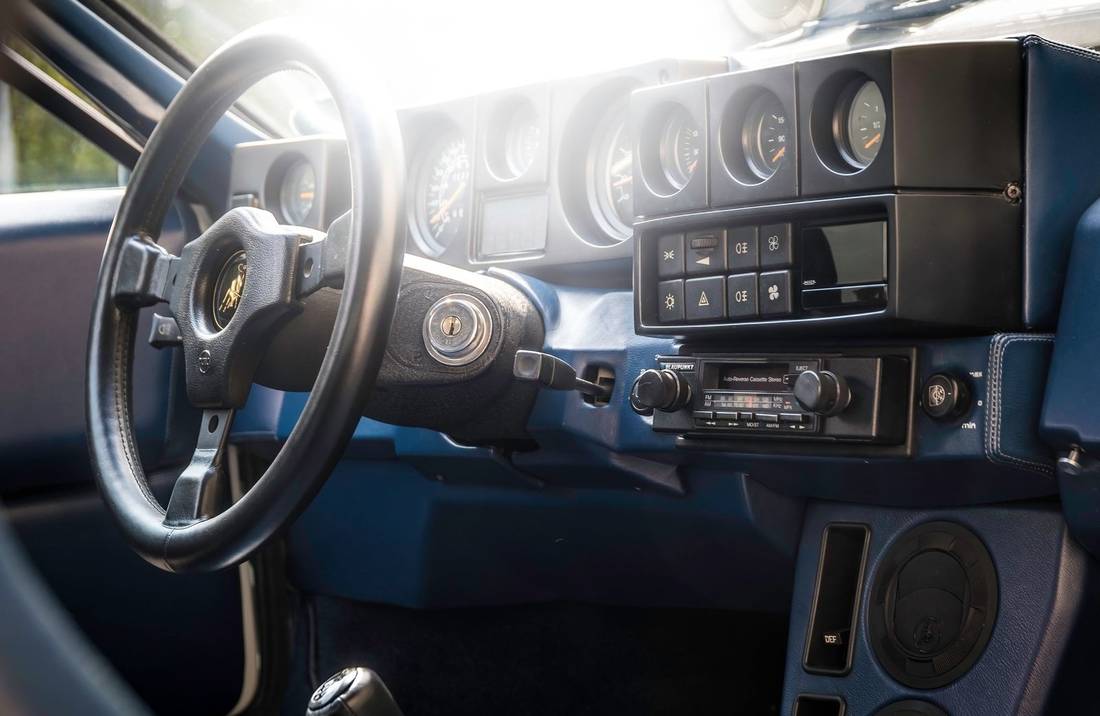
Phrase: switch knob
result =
(822, 392)
(662, 390)
(944, 397)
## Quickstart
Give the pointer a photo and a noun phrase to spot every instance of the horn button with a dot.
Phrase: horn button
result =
(228, 290)
(236, 289)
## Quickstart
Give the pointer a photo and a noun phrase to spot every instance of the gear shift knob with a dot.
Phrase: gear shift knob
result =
(352, 692)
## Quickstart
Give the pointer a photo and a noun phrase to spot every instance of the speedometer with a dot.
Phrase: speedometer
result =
(442, 180)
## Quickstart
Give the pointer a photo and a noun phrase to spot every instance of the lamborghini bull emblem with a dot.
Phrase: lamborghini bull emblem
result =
(229, 289)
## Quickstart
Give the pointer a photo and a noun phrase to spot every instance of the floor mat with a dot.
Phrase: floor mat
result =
(556, 659)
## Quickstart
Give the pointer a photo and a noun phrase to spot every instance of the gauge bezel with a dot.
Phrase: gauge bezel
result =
(297, 162)
(608, 135)
(440, 137)
(503, 131)
(842, 118)
(277, 176)
(649, 108)
(734, 140)
(654, 148)
(830, 84)
(732, 180)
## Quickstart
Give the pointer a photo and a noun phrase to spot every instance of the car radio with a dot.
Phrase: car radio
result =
(860, 398)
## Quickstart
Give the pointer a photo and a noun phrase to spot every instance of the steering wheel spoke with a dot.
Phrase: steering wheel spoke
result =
(195, 494)
(146, 274)
(322, 262)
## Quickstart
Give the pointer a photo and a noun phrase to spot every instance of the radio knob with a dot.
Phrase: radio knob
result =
(659, 390)
(822, 392)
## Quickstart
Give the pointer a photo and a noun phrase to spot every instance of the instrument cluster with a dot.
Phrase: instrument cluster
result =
(540, 174)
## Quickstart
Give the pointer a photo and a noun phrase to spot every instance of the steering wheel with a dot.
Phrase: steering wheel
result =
(230, 291)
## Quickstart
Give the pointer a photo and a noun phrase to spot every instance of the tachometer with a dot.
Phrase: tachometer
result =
(442, 180)
(610, 175)
(681, 148)
(860, 123)
(297, 192)
(764, 135)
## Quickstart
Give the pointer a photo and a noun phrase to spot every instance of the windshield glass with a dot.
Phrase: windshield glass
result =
(433, 50)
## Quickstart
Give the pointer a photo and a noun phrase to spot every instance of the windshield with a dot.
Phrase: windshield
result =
(432, 50)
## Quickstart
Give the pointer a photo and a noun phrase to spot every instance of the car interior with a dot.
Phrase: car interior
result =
(716, 357)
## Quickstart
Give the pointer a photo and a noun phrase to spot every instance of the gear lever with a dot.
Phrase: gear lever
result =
(353, 691)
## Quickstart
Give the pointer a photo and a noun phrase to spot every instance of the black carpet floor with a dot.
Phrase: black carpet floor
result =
(549, 660)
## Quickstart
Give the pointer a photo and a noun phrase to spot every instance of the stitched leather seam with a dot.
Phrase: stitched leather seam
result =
(1035, 40)
(122, 404)
(994, 453)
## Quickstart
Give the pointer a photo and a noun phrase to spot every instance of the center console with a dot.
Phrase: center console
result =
(821, 208)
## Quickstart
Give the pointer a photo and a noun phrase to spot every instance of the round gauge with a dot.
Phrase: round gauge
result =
(441, 181)
(610, 175)
(860, 123)
(297, 193)
(680, 149)
(522, 138)
(764, 135)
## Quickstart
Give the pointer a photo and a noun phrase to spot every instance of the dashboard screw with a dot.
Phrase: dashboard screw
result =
(1013, 192)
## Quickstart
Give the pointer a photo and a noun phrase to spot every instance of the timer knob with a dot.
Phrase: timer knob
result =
(822, 392)
(659, 390)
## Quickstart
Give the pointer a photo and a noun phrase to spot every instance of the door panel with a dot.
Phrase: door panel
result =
(176, 638)
(50, 249)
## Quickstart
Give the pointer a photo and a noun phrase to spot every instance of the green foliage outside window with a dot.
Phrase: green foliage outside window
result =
(39, 152)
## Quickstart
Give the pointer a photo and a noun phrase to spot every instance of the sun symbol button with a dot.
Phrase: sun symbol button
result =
(670, 301)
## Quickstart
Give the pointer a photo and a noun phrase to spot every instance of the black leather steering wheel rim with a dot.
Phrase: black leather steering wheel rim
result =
(374, 256)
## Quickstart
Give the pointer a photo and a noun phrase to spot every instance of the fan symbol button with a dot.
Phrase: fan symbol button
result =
(773, 292)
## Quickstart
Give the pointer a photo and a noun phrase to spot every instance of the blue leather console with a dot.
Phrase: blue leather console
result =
(1041, 573)
(1060, 184)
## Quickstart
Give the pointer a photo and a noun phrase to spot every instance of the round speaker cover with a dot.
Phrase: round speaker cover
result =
(933, 605)
(911, 707)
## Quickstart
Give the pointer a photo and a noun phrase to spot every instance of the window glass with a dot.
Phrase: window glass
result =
(39, 152)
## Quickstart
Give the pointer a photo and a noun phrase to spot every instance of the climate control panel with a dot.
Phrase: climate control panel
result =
(857, 398)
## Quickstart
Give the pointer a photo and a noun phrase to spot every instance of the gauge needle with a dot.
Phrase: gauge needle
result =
(873, 141)
(779, 155)
(621, 164)
(443, 207)
(629, 178)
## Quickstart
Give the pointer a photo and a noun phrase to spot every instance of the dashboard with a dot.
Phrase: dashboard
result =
(530, 177)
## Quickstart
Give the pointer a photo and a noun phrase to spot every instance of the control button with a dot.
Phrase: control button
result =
(670, 301)
(775, 246)
(706, 252)
(670, 255)
(726, 416)
(767, 417)
(775, 293)
(944, 397)
(741, 296)
(705, 298)
(663, 389)
(742, 242)
(822, 392)
(165, 332)
(703, 415)
(792, 418)
(744, 416)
